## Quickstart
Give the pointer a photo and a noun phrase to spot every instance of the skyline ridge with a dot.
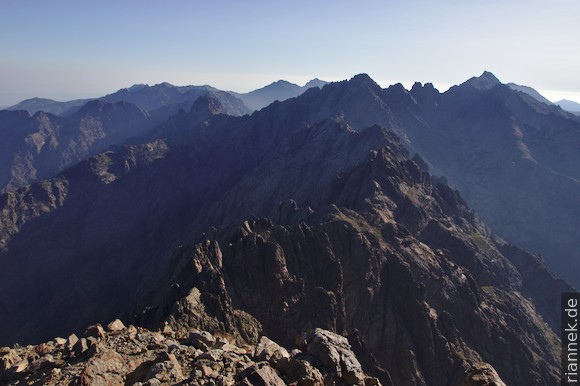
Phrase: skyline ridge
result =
(486, 74)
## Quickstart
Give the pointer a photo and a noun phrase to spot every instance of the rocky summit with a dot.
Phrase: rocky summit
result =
(308, 223)
(120, 355)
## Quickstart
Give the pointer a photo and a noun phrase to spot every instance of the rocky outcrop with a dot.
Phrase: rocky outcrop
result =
(290, 278)
(482, 374)
(137, 356)
(401, 267)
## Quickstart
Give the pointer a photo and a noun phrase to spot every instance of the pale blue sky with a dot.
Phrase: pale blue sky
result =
(79, 48)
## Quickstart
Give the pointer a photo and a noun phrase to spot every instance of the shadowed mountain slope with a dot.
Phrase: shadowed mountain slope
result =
(276, 223)
(515, 160)
(39, 146)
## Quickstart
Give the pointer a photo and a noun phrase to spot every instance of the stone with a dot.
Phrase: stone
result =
(167, 330)
(92, 341)
(80, 346)
(300, 372)
(334, 352)
(59, 341)
(213, 355)
(71, 341)
(116, 325)
(8, 359)
(260, 374)
(166, 370)
(207, 371)
(132, 331)
(270, 351)
(158, 338)
(44, 348)
(95, 331)
(202, 340)
(42, 362)
(228, 347)
(108, 368)
(21, 366)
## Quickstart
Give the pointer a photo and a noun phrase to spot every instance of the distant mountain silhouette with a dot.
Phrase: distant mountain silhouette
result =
(35, 105)
(530, 91)
(571, 106)
(277, 91)
(41, 145)
(165, 94)
(153, 97)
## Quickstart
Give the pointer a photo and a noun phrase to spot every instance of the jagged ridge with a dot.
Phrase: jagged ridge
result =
(379, 238)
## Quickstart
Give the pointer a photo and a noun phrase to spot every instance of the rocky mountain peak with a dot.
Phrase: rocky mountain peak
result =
(118, 355)
(100, 106)
(207, 105)
(425, 94)
(363, 79)
(485, 81)
(137, 87)
(314, 83)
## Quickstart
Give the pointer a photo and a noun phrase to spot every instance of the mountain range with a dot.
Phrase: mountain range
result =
(568, 105)
(165, 94)
(40, 137)
(345, 208)
(531, 92)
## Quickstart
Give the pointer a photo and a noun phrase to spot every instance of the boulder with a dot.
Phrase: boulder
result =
(201, 340)
(80, 346)
(105, 369)
(334, 352)
(95, 331)
(270, 351)
(167, 370)
(116, 325)
(214, 355)
(21, 366)
(260, 374)
(71, 341)
(301, 372)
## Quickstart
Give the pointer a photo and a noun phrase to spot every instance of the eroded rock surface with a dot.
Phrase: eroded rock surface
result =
(137, 356)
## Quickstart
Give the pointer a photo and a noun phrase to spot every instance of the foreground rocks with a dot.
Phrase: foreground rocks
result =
(132, 355)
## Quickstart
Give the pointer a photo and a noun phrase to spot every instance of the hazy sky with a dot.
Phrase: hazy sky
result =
(80, 48)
